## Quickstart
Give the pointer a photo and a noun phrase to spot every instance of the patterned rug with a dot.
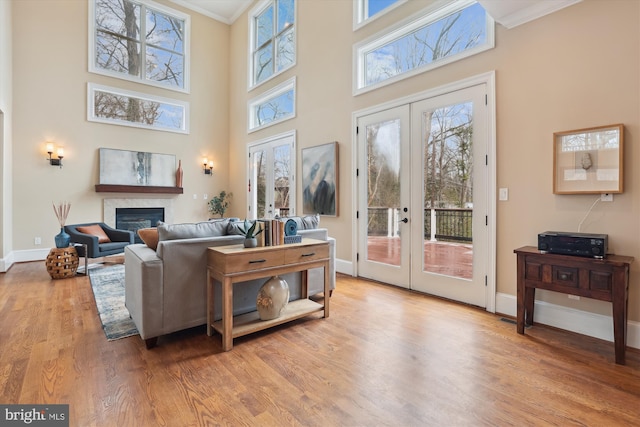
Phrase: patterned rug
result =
(108, 289)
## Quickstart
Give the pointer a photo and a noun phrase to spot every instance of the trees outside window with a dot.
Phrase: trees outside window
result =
(273, 39)
(139, 41)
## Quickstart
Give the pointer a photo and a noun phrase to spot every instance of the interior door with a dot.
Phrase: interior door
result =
(450, 195)
(423, 196)
(384, 191)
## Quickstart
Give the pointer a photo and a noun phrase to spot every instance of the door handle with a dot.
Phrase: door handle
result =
(405, 220)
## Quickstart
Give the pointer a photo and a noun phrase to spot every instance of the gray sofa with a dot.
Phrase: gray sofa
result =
(165, 288)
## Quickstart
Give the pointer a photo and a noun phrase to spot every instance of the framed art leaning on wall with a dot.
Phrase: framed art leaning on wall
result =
(588, 161)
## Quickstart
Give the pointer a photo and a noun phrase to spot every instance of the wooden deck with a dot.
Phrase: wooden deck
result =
(451, 259)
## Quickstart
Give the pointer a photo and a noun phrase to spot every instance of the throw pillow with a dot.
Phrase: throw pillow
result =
(149, 236)
(192, 230)
(95, 230)
(309, 222)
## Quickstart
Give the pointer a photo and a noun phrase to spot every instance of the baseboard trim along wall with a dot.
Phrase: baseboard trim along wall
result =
(570, 319)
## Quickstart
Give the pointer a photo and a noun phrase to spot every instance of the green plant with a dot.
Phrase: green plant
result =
(250, 230)
(218, 205)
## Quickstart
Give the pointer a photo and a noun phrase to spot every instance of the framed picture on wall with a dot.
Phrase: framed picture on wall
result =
(320, 179)
(588, 161)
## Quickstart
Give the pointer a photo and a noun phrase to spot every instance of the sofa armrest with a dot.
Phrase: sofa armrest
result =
(144, 289)
(85, 239)
(117, 235)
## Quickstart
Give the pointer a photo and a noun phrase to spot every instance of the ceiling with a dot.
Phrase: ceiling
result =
(508, 13)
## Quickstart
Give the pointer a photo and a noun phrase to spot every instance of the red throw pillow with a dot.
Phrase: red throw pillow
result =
(95, 230)
(149, 236)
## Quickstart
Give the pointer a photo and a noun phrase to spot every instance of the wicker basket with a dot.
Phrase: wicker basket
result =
(62, 262)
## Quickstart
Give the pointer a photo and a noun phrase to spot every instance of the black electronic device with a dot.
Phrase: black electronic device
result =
(578, 244)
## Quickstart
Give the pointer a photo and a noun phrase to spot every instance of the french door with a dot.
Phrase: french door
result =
(423, 195)
(272, 184)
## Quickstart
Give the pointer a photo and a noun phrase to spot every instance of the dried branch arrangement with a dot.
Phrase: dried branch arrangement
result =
(62, 211)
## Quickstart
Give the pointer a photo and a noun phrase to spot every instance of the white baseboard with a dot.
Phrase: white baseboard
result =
(23, 256)
(344, 267)
(570, 319)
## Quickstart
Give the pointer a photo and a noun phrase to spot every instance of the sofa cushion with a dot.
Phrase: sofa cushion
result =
(95, 230)
(192, 230)
(308, 222)
(149, 236)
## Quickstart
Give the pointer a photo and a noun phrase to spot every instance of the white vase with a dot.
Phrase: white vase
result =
(272, 298)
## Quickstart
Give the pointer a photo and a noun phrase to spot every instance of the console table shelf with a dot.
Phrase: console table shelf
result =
(249, 323)
(602, 279)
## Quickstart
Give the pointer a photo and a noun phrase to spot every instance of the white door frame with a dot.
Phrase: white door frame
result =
(489, 80)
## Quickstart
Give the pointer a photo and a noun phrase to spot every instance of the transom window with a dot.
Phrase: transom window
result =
(429, 40)
(273, 39)
(274, 106)
(127, 108)
(140, 41)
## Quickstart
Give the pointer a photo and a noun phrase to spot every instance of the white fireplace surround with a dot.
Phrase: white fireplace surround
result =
(110, 206)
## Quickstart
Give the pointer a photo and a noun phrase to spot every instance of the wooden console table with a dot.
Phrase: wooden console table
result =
(602, 279)
(234, 263)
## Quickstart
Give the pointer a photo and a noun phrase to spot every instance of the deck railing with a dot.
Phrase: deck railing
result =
(439, 224)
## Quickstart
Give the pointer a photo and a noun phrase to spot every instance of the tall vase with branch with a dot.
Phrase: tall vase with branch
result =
(61, 210)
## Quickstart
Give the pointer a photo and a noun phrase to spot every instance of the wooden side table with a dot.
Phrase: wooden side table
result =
(62, 263)
(602, 279)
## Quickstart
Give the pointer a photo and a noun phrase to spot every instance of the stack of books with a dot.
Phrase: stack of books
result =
(274, 234)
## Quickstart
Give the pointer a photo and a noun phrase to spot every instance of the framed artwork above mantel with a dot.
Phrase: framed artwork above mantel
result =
(124, 171)
(588, 161)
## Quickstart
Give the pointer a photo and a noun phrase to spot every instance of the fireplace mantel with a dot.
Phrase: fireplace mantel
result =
(108, 188)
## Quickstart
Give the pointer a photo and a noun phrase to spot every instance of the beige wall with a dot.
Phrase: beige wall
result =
(576, 68)
(50, 91)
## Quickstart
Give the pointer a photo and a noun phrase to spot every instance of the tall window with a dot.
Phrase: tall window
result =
(432, 39)
(140, 41)
(273, 39)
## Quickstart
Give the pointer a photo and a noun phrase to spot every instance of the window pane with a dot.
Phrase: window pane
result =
(275, 109)
(119, 17)
(286, 14)
(263, 63)
(260, 180)
(264, 27)
(126, 109)
(286, 49)
(281, 173)
(164, 31)
(116, 54)
(374, 6)
(163, 66)
(428, 42)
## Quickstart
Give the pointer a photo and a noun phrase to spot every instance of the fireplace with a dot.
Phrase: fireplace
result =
(133, 219)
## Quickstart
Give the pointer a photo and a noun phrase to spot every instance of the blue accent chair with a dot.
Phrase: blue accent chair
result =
(88, 246)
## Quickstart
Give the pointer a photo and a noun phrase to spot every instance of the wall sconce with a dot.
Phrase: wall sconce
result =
(208, 166)
(59, 151)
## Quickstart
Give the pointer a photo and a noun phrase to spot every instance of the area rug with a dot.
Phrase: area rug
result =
(108, 289)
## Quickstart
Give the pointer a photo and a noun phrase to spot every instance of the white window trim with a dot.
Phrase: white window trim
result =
(432, 13)
(142, 80)
(257, 10)
(276, 91)
(91, 114)
(360, 21)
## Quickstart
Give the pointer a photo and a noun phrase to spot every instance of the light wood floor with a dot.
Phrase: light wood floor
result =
(385, 357)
